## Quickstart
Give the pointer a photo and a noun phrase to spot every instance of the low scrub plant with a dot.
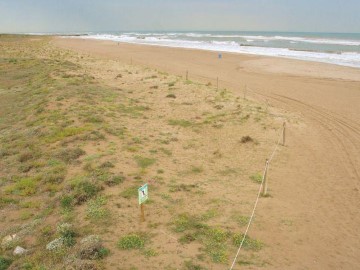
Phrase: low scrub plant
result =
(131, 241)
(96, 210)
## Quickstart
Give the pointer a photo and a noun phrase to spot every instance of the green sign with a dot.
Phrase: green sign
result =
(143, 193)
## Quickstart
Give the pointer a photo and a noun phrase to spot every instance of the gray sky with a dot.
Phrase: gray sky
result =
(113, 15)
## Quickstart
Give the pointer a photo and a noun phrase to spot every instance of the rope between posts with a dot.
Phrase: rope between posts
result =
(255, 205)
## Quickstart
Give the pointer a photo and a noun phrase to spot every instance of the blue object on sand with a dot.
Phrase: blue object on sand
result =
(220, 55)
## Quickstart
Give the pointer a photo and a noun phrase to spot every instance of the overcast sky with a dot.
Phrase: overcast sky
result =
(190, 15)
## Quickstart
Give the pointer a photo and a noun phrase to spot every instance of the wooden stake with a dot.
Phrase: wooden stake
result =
(187, 73)
(217, 83)
(245, 91)
(142, 216)
(283, 142)
(264, 189)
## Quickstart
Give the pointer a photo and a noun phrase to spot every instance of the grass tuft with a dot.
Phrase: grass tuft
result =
(144, 162)
(180, 122)
(257, 178)
(249, 243)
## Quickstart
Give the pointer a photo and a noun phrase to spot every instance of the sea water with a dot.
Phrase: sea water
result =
(335, 48)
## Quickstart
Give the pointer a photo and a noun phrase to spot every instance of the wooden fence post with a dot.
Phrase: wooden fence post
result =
(283, 142)
(264, 188)
(142, 217)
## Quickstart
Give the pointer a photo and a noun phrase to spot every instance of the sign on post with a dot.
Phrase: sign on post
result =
(143, 193)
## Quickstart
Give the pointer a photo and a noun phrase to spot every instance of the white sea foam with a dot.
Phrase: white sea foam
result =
(343, 42)
(351, 59)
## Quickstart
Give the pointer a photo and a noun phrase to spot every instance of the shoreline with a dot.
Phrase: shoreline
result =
(300, 66)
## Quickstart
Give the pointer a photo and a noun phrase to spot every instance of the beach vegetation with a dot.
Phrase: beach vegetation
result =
(248, 244)
(257, 178)
(132, 241)
(144, 162)
(130, 192)
(96, 210)
(180, 122)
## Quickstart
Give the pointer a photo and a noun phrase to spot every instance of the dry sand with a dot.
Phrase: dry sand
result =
(312, 219)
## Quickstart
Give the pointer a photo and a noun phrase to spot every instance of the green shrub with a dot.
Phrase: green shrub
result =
(4, 263)
(103, 252)
(85, 190)
(96, 210)
(67, 234)
(67, 202)
(24, 187)
(131, 241)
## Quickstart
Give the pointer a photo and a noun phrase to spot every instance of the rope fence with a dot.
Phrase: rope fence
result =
(262, 191)
(263, 185)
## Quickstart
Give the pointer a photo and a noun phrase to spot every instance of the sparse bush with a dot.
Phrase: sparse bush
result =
(249, 243)
(85, 190)
(130, 192)
(246, 139)
(180, 122)
(67, 234)
(27, 155)
(187, 238)
(195, 169)
(91, 248)
(94, 119)
(144, 162)
(150, 253)
(171, 96)
(70, 155)
(96, 210)
(106, 164)
(56, 244)
(55, 175)
(93, 136)
(114, 180)
(191, 266)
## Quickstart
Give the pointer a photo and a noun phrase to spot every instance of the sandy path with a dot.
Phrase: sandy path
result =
(312, 220)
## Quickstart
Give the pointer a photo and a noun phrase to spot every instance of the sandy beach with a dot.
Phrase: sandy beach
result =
(84, 124)
(311, 220)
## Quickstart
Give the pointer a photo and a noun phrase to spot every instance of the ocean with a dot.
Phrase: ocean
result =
(334, 48)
